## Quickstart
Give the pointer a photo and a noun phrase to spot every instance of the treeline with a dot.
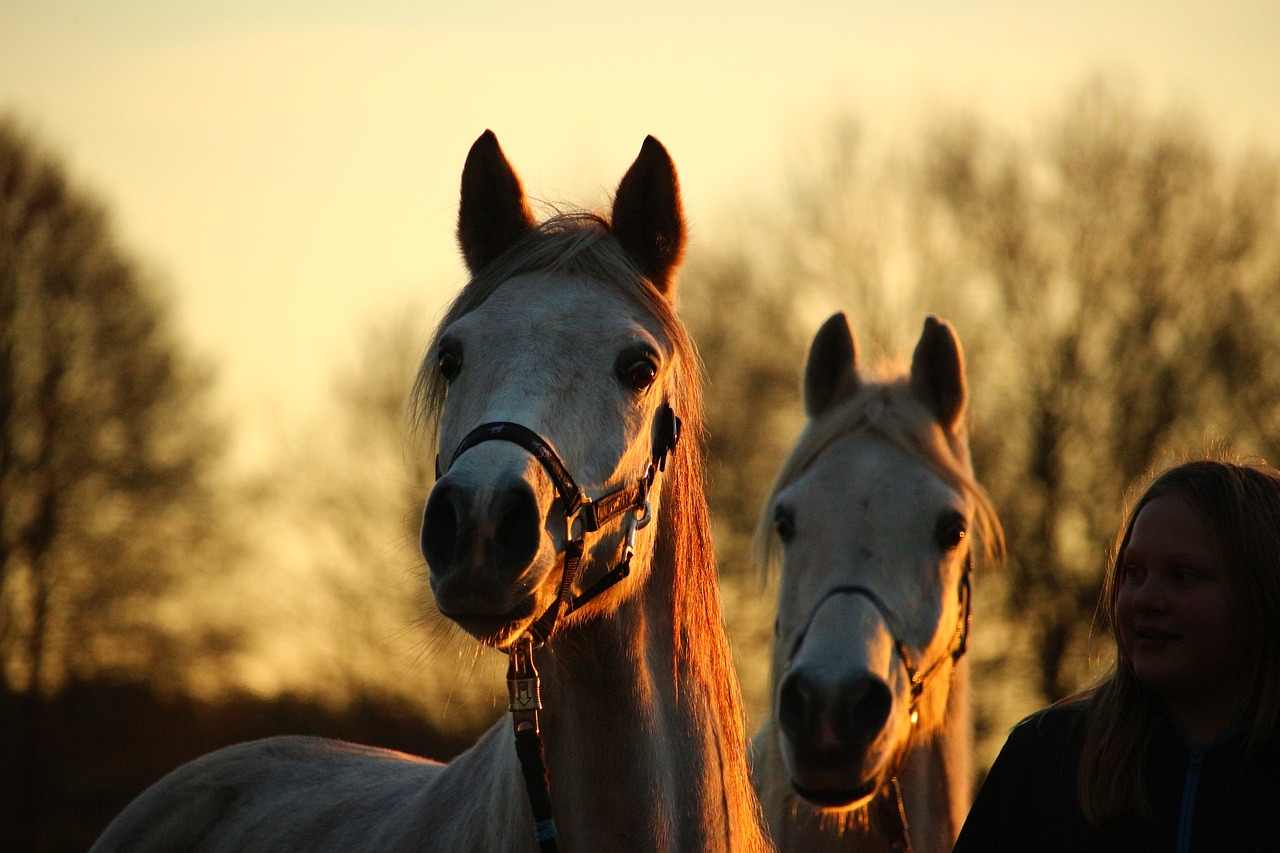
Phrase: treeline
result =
(97, 745)
(1112, 275)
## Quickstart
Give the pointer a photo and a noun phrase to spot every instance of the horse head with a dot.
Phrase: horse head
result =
(552, 378)
(872, 519)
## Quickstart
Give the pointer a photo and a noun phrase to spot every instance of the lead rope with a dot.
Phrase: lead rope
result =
(524, 687)
(891, 816)
(525, 692)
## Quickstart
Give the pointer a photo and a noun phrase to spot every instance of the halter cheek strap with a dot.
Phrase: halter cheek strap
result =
(889, 808)
(916, 676)
(578, 507)
(523, 683)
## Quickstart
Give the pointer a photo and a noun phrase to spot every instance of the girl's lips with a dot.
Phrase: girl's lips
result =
(1155, 634)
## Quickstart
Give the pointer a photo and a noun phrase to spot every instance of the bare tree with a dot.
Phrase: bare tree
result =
(1113, 280)
(1117, 274)
(350, 495)
(105, 449)
(106, 501)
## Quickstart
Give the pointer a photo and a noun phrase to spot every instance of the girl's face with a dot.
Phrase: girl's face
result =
(1177, 621)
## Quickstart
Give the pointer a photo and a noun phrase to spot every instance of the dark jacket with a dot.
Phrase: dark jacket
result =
(1211, 799)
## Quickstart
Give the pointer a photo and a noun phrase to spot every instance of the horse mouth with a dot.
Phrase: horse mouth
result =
(837, 799)
(495, 630)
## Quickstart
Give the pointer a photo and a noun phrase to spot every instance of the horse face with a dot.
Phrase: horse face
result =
(865, 516)
(583, 363)
(871, 538)
(581, 366)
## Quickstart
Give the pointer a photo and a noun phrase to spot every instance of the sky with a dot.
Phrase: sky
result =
(289, 170)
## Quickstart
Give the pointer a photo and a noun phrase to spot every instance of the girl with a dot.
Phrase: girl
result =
(1178, 748)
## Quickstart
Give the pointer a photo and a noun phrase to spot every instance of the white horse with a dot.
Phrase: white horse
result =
(867, 746)
(565, 349)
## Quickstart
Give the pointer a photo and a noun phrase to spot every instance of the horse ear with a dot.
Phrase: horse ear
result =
(647, 216)
(937, 372)
(493, 213)
(831, 373)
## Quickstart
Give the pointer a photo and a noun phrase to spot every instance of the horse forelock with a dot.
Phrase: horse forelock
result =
(888, 408)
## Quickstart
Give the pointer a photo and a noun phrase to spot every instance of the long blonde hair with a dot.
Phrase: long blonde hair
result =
(1241, 503)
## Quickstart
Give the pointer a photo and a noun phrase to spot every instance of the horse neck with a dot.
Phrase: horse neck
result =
(936, 776)
(640, 749)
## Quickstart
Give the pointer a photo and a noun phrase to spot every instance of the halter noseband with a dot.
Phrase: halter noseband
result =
(916, 676)
(578, 507)
(889, 806)
(523, 683)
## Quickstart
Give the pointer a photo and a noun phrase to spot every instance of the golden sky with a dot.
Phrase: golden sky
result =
(290, 169)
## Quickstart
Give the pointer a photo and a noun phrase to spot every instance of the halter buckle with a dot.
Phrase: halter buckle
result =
(524, 687)
(639, 520)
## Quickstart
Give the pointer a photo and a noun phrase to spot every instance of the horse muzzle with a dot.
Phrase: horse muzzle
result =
(487, 551)
(833, 735)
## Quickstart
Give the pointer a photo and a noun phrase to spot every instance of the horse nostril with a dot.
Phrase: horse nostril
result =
(869, 703)
(440, 529)
(516, 527)
(794, 706)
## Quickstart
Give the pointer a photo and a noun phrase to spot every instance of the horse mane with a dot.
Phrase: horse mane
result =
(888, 407)
(581, 243)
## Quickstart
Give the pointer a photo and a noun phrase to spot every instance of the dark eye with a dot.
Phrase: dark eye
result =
(784, 522)
(450, 363)
(951, 531)
(637, 368)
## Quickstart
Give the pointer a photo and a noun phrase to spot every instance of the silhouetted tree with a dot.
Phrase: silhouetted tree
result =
(751, 344)
(105, 451)
(1113, 280)
(105, 499)
(350, 493)
(1117, 277)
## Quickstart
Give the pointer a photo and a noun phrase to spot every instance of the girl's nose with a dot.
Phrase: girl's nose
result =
(1150, 595)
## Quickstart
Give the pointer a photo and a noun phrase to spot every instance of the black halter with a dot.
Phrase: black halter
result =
(889, 808)
(523, 683)
(578, 507)
(916, 675)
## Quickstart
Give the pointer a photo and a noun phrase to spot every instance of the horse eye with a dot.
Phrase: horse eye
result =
(951, 531)
(784, 522)
(637, 372)
(450, 364)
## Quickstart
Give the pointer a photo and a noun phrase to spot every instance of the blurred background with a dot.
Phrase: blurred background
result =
(227, 231)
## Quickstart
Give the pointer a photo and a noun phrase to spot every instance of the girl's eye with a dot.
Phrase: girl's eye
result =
(1131, 573)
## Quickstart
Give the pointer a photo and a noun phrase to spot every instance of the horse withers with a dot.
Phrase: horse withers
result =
(872, 519)
(568, 526)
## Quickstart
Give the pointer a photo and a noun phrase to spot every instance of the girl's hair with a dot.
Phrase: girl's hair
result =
(1241, 502)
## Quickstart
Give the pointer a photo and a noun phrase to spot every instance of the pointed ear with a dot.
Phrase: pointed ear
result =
(493, 213)
(831, 373)
(647, 218)
(937, 373)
